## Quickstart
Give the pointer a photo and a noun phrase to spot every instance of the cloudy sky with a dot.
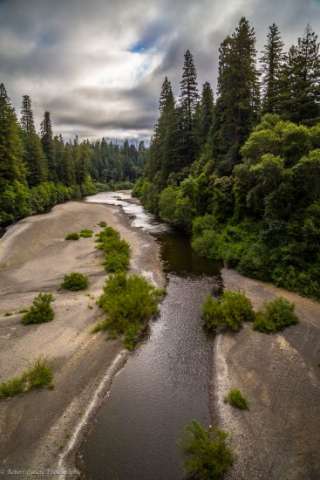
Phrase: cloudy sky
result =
(97, 65)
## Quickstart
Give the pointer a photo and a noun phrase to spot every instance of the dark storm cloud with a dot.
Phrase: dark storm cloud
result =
(98, 66)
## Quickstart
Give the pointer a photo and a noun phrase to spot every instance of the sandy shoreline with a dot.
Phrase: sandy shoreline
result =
(37, 429)
(279, 437)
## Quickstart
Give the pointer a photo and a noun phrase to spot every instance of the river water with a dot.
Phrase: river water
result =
(166, 382)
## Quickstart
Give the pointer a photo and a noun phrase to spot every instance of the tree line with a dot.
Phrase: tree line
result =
(38, 171)
(242, 173)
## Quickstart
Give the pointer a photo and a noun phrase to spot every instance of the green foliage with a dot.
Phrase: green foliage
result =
(37, 173)
(208, 456)
(75, 281)
(40, 311)
(129, 302)
(86, 233)
(228, 312)
(275, 316)
(72, 236)
(39, 375)
(102, 224)
(117, 251)
(237, 400)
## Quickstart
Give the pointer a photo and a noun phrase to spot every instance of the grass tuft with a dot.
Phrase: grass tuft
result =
(39, 375)
(86, 233)
(72, 236)
(237, 400)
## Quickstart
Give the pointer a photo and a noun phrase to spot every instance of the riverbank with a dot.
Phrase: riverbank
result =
(279, 437)
(37, 428)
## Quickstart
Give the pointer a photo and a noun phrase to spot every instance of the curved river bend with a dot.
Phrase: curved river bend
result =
(166, 382)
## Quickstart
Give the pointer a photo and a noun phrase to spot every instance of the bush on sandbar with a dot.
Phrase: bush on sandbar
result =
(75, 281)
(208, 455)
(40, 311)
(129, 302)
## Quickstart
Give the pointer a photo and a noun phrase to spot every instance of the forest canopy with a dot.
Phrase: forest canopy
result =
(242, 173)
(39, 170)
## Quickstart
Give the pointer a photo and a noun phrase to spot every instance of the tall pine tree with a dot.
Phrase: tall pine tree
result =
(37, 167)
(189, 97)
(11, 162)
(272, 63)
(48, 148)
(300, 88)
(238, 103)
(163, 149)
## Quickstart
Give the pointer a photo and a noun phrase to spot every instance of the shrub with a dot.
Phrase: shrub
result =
(212, 314)
(129, 302)
(236, 308)
(237, 400)
(75, 281)
(39, 375)
(275, 316)
(230, 311)
(102, 224)
(40, 311)
(117, 251)
(208, 455)
(86, 233)
(72, 236)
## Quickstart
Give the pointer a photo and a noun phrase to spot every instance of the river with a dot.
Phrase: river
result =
(166, 382)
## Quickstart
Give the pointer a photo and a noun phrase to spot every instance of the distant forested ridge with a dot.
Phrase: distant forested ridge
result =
(38, 171)
(242, 173)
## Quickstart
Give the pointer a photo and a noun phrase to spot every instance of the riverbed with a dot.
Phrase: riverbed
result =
(179, 374)
(133, 407)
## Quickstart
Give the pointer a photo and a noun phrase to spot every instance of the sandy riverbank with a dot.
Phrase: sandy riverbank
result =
(279, 437)
(37, 427)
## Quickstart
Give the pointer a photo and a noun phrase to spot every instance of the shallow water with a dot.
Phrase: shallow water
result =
(165, 383)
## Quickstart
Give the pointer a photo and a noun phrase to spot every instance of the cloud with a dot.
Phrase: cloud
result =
(98, 66)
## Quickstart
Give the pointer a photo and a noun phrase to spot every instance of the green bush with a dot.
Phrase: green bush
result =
(39, 375)
(228, 312)
(75, 281)
(86, 233)
(117, 251)
(208, 456)
(236, 308)
(129, 302)
(237, 400)
(72, 236)
(275, 316)
(212, 315)
(40, 311)
(102, 224)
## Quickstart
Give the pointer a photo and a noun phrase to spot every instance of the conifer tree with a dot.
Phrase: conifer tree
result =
(163, 149)
(189, 97)
(36, 163)
(206, 112)
(47, 145)
(11, 162)
(300, 88)
(272, 62)
(238, 103)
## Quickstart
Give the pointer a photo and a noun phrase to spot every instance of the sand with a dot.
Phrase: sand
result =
(279, 437)
(38, 428)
